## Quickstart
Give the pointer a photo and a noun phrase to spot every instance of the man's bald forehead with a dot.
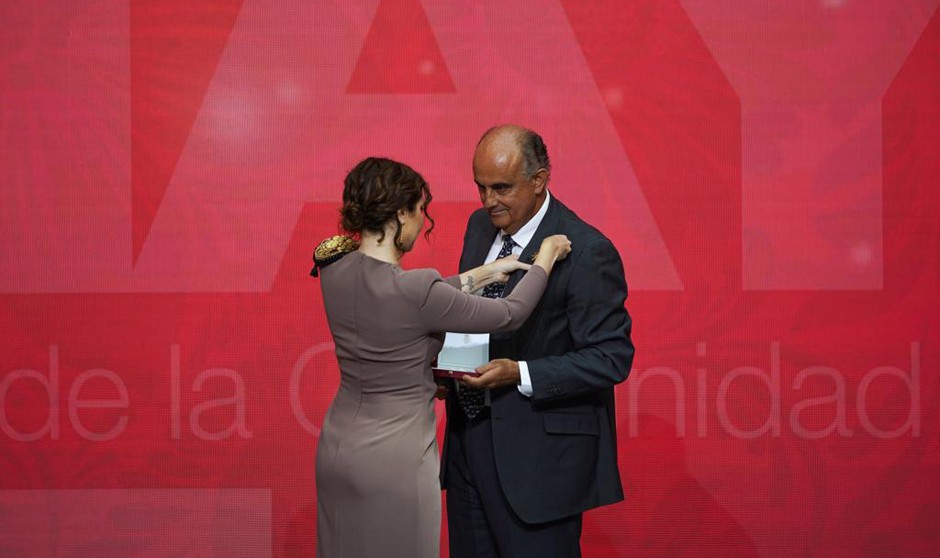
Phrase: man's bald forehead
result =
(503, 135)
(500, 145)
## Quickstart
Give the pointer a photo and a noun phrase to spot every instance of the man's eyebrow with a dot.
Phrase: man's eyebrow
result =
(498, 185)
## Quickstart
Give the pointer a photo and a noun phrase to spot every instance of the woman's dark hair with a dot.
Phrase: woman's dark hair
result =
(375, 190)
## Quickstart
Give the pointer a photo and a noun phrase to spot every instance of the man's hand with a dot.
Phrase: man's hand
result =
(494, 374)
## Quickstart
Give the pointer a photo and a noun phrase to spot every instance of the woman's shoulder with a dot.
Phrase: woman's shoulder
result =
(332, 250)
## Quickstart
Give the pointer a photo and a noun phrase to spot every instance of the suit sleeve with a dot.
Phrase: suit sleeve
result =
(446, 308)
(599, 327)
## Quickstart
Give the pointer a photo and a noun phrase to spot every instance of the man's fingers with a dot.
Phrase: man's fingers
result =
(469, 382)
(481, 380)
(489, 375)
(484, 368)
(472, 381)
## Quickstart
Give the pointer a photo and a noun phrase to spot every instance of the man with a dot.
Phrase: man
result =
(524, 457)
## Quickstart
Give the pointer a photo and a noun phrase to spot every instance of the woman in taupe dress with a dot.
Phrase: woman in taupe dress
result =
(378, 493)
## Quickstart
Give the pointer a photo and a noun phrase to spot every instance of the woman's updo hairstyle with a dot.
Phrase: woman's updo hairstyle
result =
(375, 190)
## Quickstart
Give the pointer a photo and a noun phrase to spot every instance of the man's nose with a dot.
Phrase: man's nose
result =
(489, 199)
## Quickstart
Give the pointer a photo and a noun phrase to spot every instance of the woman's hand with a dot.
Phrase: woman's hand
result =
(554, 248)
(503, 268)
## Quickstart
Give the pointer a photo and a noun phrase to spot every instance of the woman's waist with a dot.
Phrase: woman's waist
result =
(380, 410)
(371, 395)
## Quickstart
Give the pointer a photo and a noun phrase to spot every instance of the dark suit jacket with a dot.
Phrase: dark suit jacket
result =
(556, 452)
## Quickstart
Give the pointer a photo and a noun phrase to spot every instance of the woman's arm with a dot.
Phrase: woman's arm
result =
(498, 271)
(446, 309)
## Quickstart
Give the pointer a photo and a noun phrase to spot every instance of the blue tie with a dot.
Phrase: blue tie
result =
(472, 400)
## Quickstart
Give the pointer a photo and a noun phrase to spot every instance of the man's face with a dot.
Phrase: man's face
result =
(508, 196)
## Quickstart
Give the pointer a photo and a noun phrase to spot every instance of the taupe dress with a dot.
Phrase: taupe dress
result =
(378, 493)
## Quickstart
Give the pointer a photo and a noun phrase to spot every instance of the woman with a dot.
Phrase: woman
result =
(378, 492)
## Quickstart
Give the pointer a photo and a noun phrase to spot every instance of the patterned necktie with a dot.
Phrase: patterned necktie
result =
(472, 400)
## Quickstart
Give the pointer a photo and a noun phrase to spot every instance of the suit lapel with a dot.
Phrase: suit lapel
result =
(547, 227)
(478, 245)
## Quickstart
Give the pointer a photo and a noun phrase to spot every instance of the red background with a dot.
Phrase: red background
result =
(767, 169)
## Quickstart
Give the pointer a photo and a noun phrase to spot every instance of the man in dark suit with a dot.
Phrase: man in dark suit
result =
(531, 442)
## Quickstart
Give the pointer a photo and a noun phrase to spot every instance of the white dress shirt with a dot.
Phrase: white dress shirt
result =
(521, 240)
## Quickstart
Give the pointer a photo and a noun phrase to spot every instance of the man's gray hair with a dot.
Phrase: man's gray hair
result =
(534, 153)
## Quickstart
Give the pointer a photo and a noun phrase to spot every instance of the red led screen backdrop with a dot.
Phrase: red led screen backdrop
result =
(768, 171)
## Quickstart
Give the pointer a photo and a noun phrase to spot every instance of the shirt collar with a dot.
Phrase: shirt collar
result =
(527, 231)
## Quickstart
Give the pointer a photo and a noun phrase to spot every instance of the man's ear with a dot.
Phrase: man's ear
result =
(540, 179)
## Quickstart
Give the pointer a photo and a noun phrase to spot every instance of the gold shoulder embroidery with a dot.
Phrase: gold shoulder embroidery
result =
(331, 250)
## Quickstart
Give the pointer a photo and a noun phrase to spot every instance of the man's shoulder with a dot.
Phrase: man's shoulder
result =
(576, 227)
(585, 239)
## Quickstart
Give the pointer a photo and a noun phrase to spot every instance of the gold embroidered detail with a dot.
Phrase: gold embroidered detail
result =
(331, 250)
